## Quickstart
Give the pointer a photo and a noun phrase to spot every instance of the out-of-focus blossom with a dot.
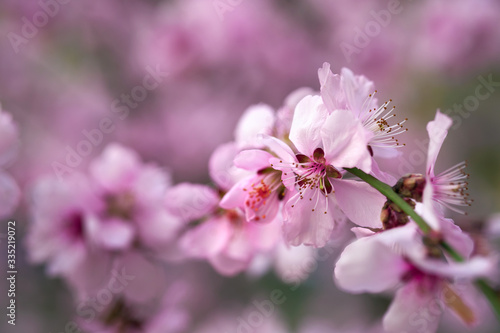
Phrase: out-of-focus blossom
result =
(457, 36)
(9, 137)
(59, 231)
(229, 242)
(132, 202)
(89, 220)
(157, 308)
(10, 193)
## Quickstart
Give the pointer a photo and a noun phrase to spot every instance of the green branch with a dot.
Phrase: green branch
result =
(393, 196)
(389, 193)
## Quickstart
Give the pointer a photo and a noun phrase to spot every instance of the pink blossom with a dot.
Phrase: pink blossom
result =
(229, 242)
(448, 188)
(140, 300)
(132, 196)
(325, 141)
(399, 256)
(191, 204)
(224, 237)
(257, 120)
(356, 94)
(259, 194)
(59, 234)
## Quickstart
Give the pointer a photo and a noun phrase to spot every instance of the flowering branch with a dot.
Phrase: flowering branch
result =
(490, 294)
(389, 193)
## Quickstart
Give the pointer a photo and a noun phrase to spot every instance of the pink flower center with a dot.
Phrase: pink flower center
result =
(314, 174)
(263, 192)
(74, 224)
(427, 282)
(120, 205)
(257, 195)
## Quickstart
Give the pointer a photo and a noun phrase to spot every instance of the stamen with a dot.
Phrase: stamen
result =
(310, 173)
(450, 188)
(378, 120)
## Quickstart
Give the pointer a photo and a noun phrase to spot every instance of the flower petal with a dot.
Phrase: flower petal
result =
(208, 238)
(265, 236)
(257, 119)
(357, 89)
(236, 196)
(116, 168)
(151, 184)
(368, 265)
(281, 149)
(438, 130)
(228, 266)
(309, 116)
(427, 209)
(305, 225)
(221, 166)
(477, 267)
(360, 232)
(345, 141)
(330, 88)
(111, 233)
(191, 201)
(159, 228)
(381, 175)
(456, 238)
(410, 311)
(360, 202)
(253, 159)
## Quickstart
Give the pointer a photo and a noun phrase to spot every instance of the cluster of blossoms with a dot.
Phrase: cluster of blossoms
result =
(280, 190)
(303, 176)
